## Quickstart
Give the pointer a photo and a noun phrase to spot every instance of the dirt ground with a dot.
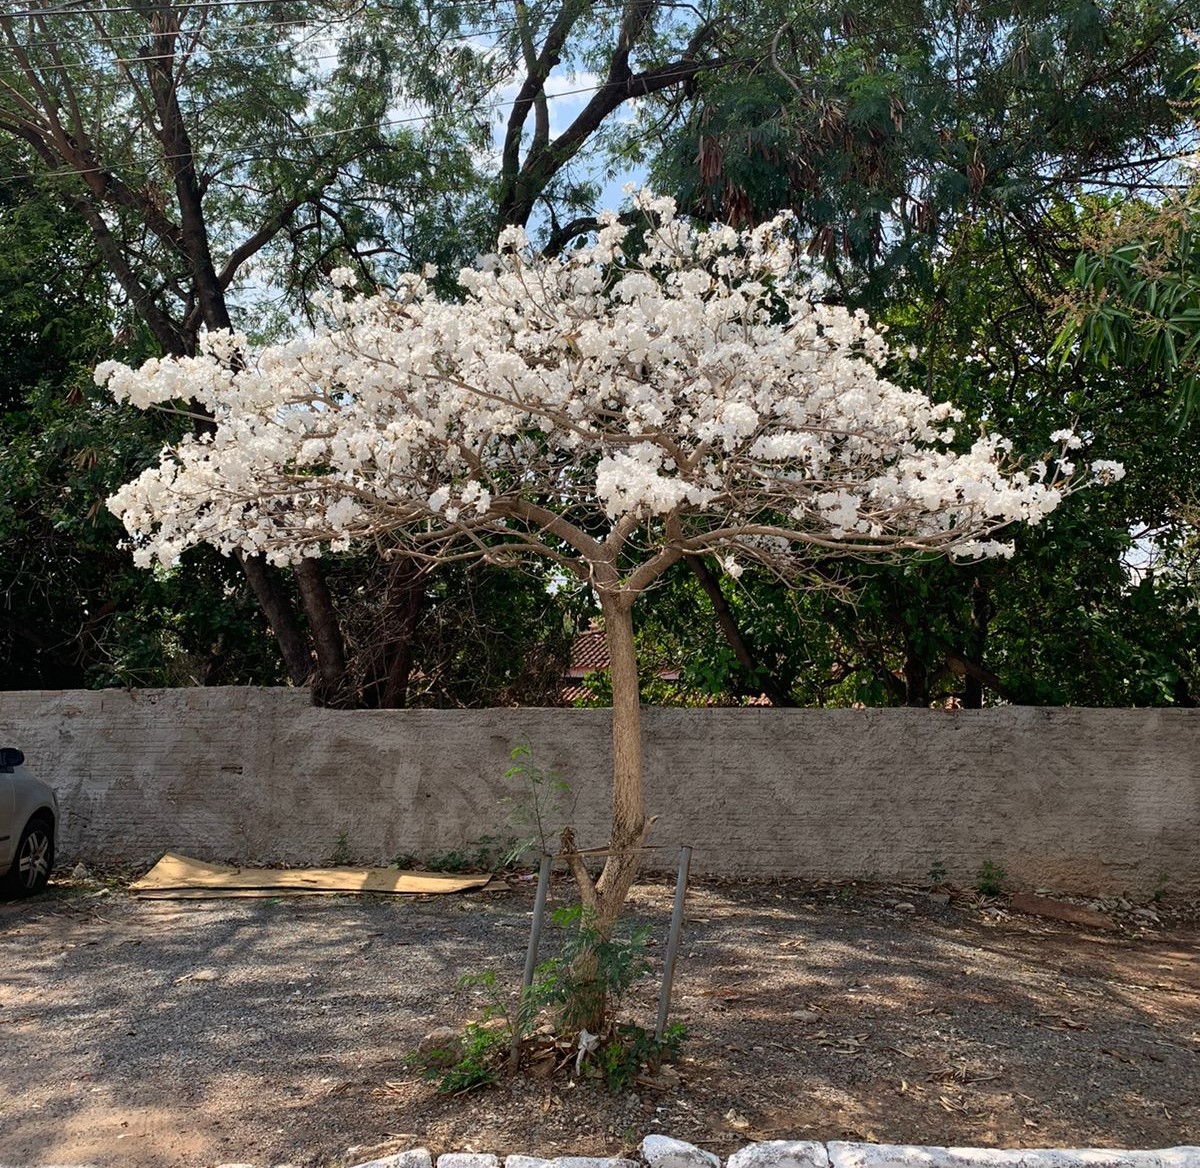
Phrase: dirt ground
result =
(164, 1034)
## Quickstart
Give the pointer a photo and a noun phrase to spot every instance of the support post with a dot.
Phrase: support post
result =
(535, 936)
(664, 997)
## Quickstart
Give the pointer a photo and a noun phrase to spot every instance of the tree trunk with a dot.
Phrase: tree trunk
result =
(777, 694)
(387, 688)
(604, 898)
(330, 687)
(628, 789)
(277, 607)
(980, 616)
(916, 677)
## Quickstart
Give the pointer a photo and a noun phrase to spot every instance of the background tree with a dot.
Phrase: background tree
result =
(937, 156)
(73, 610)
(223, 157)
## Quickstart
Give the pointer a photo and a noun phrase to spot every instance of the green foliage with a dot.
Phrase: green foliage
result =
(473, 636)
(590, 976)
(74, 612)
(341, 855)
(989, 880)
(934, 154)
(885, 126)
(1135, 301)
(540, 810)
(478, 1056)
(937, 872)
(630, 1050)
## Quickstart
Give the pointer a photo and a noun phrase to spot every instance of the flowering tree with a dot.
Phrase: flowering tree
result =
(610, 411)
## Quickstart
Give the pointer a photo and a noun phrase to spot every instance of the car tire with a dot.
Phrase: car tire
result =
(34, 859)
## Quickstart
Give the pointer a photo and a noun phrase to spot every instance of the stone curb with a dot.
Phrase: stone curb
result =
(659, 1151)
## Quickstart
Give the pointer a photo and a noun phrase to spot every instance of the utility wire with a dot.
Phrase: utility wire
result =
(433, 10)
(274, 147)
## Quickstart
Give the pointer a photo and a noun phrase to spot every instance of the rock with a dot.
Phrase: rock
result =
(905, 906)
(594, 1162)
(781, 1154)
(665, 1152)
(1057, 910)
(80, 872)
(202, 975)
(526, 1162)
(441, 1038)
(1147, 914)
(736, 1120)
(665, 1079)
(938, 897)
(414, 1158)
(467, 1160)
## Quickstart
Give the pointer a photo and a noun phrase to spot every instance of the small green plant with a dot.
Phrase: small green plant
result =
(1160, 890)
(580, 988)
(540, 811)
(340, 857)
(404, 860)
(989, 880)
(585, 983)
(477, 1057)
(632, 1049)
(451, 861)
(938, 873)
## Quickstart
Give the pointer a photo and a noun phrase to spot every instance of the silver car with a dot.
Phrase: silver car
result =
(28, 821)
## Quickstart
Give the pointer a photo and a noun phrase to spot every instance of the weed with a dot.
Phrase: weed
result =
(404, 861)
(539, 812)
(1160, 891)
(590, 976)
(631, 1049)
(451, 861)
(989, 880)
(340, 857)
(477, 1058)
(938, 873)
(588, 979)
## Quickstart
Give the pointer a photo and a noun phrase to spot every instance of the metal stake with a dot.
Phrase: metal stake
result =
(535, 936)
(664, 997)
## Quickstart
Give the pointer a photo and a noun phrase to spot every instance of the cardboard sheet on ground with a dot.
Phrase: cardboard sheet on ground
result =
(177, 877)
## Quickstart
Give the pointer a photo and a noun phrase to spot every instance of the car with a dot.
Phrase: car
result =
(28, 823)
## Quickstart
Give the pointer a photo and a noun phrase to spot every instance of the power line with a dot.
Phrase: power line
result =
(434, 10)
(274, 147)
(73, 10)
(193, 52)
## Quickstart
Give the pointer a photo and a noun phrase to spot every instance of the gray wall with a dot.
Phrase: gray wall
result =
(1077, 800)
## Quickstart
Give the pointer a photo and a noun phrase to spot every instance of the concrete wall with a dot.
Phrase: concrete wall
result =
(1077, 800)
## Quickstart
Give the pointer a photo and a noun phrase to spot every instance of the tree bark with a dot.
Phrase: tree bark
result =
(405, 600)
(777, 694)
(277, 608)
(605, 897)
(980, 616)
(329, 687)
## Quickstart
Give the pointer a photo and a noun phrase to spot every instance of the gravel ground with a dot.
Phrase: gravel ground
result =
(164, 1034)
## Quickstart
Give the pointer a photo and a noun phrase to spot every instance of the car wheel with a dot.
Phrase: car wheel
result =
(34, 859)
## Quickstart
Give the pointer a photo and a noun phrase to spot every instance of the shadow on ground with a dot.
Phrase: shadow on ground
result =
(163, 1034)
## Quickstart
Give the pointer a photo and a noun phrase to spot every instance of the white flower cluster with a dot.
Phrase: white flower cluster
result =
(689, 393)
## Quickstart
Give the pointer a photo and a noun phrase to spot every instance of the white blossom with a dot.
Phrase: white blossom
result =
(1068, 439)
(698, 402)
(1106, 471)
